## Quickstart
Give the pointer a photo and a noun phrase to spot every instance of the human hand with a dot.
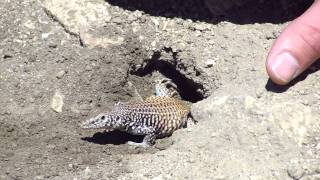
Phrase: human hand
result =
(297, 47)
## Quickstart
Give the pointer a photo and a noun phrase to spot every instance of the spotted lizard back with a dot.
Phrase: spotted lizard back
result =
(163, 114)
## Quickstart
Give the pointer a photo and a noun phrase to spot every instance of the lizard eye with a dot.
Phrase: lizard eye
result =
(103, 117)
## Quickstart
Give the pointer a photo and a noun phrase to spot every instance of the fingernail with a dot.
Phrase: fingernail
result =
(285, 66)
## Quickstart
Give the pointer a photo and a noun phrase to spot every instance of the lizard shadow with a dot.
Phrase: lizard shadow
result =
(270, 86)
(115, 137)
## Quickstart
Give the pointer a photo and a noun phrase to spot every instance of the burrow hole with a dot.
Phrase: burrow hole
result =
(187, 88)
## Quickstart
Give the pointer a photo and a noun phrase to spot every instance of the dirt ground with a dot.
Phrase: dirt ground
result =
(63, 62)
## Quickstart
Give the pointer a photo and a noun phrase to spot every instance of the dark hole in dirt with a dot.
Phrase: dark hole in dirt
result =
(113, 137)
(187, 88)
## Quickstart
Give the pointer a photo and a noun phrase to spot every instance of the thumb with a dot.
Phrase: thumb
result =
(297, 47)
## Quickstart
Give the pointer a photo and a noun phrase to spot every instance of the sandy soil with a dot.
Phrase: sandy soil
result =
(65, 61)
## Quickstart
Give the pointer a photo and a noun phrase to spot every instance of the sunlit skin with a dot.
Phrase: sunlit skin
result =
(297, 47)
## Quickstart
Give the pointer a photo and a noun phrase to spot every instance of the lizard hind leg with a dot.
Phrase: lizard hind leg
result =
(190, 122)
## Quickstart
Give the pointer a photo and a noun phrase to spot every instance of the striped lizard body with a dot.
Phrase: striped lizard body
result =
(157, 116)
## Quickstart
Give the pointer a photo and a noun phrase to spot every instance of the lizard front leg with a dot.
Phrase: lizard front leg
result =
(148, 141)
(165, 87)
(149, 133)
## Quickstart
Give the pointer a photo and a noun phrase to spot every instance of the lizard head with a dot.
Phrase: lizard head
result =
(100, 121)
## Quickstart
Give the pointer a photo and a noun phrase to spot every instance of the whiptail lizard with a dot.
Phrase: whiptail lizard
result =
(158, 116)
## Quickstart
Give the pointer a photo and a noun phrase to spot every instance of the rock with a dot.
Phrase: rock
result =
(57, 102)
(304, 168)
(92, 38)
(60, 74)
(210, 63)
(295, 172)
(87, 171)
(53, 45)
(46, 35)
(163, 144)
(201, 27)
(296, 119)
(73, 14)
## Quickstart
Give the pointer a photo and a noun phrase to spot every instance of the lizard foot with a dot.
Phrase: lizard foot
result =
(190, 122)
(142, 144)
(148, 141)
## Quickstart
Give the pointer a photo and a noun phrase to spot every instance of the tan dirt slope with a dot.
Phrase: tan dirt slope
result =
(62, 62)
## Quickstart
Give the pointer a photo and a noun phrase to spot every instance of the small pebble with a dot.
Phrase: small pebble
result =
(209, 63)
(53, 45)
(60, 74)
(295, 172)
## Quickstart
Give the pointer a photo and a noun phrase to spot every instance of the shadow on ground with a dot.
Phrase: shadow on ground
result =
(113, 137)
(252, 11)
